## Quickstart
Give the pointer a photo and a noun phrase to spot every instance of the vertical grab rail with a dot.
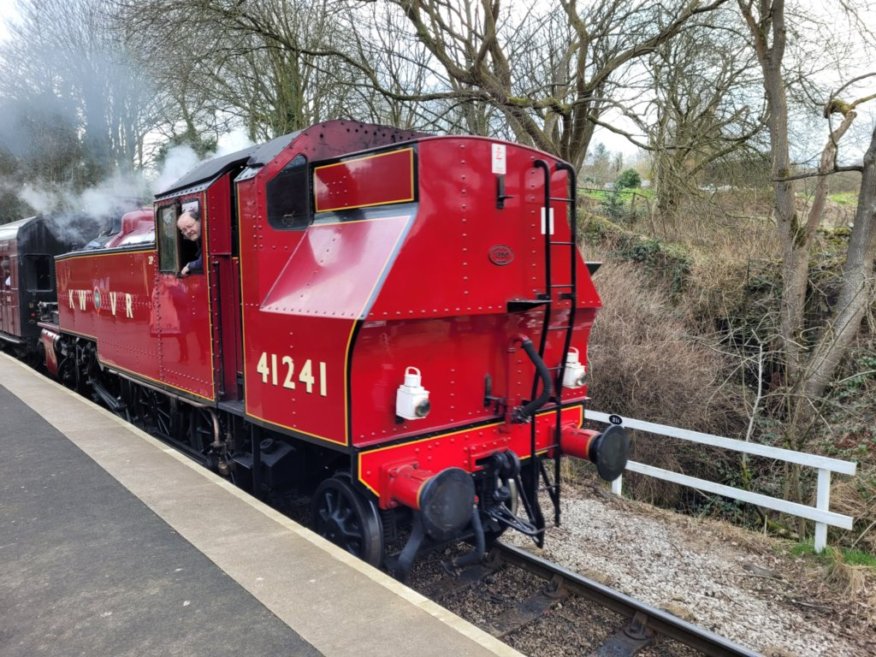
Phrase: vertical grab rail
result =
(547, 297)
(570, 295)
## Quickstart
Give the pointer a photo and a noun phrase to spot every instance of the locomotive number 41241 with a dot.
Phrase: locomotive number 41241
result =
(274, 368)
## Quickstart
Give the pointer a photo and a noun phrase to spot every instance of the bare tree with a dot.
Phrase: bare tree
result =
(63, 59)
(811, 358)
(257, 63)
(703, 95)
(858, 291)
(768, 32)
(552, 91)
(395, 67)
(549, 73)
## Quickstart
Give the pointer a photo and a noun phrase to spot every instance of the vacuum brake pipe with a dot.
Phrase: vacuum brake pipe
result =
(524, 413)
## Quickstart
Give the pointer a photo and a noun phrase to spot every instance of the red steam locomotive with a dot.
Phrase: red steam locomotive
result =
(392, 323)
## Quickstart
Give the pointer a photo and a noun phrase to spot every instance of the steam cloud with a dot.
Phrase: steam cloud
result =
(118, 194)
(182, 159)
(179, 161)
(231, 142)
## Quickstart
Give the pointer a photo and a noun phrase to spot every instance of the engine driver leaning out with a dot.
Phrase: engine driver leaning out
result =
(189, 224)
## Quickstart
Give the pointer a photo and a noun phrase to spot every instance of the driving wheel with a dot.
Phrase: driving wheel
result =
(346, 518)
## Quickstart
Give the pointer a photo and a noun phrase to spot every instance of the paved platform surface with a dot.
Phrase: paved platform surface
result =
(113, 544)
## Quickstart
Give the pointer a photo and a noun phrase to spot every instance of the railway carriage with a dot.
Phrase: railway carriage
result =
(392, 323)
(27, 274)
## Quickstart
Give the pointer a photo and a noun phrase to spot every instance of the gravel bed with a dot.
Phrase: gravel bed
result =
(736, 583)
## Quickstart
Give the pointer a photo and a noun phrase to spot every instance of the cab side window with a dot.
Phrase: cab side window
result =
(168, 240)
(5, 272)
(190, 239)
(179, 243)
(289, 196)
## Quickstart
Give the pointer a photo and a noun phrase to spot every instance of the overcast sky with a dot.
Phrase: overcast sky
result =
(613, 142)
(7, 9)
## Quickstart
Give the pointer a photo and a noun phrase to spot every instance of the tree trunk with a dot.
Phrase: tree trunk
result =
(795, 245)
(858, 290)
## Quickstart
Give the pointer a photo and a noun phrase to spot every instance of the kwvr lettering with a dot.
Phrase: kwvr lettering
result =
(80, 298)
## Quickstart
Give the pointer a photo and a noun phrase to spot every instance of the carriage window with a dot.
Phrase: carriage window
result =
(168, 236)
(289, 196)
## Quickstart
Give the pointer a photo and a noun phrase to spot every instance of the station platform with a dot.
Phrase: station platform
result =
(113, 544)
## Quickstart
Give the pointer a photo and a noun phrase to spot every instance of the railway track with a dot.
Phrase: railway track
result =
(517, 596)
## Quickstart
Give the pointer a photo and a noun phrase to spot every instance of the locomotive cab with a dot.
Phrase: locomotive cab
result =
(196, 299)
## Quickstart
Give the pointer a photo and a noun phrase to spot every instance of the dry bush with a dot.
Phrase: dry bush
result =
(713, 269)
(732, 243)
(645, 365)
(854, 583)
(850, 434)
(856, 497)
(718, 288)
(738, 221)
(846, 578)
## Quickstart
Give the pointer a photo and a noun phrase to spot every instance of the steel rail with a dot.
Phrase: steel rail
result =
(661, 622)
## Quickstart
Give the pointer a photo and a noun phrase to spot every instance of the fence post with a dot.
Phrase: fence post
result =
(617, 485)
(822, 502)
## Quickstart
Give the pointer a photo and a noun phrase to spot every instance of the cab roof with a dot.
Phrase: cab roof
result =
(252, 156)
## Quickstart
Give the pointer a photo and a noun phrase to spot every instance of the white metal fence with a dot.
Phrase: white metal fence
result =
(820, 513)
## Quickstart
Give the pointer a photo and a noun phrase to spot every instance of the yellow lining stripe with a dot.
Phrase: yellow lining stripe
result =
(296, 430)
(124, 369)
(159, 383)
(205, 261)
(410, 197)
(361, 454)
(97, 254)
(348, 437)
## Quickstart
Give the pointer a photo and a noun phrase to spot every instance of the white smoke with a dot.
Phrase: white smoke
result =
(79, 217)
(105, 198)
(182, 159)
(123, 192)
(119, 190)
(179, 161)
(40, 199)
(231, 142)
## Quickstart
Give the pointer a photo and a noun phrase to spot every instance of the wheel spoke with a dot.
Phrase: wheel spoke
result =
(344, 516)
